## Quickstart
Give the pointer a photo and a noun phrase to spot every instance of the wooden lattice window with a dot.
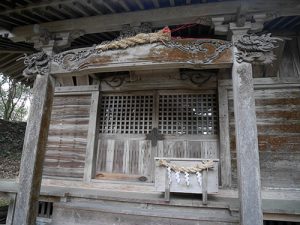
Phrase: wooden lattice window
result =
(126, 114)
(188, 114)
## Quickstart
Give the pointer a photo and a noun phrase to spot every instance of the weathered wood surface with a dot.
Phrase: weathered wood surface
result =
(127, 144)
(131, 155)
(67, 140)
(279, 204)
(225, 156)
(126, 213)
(92, 138)
(182, 53)
(160, 79)
(277, 110)
(34, 151)
(248, 168)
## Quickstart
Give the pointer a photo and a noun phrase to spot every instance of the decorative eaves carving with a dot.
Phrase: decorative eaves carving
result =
(37, 63)
(203, 46)
(256, 49)
(197, 77)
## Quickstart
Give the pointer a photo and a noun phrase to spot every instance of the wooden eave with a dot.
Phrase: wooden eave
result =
(185, 53)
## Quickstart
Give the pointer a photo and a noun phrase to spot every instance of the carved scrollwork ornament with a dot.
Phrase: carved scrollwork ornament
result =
(198, 78)
(201, 46)
(256, 49)
(37, 63)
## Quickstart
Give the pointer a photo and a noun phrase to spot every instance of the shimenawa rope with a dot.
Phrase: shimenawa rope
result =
(193, 169)
(139, 39)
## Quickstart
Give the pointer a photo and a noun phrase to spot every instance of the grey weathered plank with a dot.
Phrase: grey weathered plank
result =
(83, 88)
(67, 140)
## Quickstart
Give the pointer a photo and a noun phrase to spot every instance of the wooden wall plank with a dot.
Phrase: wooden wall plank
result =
(67, 140)
(277, 110)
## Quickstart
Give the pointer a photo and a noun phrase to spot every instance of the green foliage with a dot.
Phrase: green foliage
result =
(3, 202)
(13, 99)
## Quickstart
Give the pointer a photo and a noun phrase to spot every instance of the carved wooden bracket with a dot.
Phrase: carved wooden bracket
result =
(37, 63)
(256, 49)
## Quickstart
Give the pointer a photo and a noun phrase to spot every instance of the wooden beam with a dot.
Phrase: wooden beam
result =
(78, 89)
(107, 23)
(150, 56)
(42, 4)
(158, 17)
(246, 141)
(33, 151)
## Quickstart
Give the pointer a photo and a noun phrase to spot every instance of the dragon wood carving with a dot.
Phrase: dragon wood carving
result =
(256, 49)
(37, 63)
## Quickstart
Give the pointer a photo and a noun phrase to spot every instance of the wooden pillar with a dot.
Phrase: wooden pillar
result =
(92, 138)
(225, 157)
(34, 151)
(246, 142)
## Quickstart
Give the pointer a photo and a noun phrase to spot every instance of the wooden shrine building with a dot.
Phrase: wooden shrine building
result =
(156, 111)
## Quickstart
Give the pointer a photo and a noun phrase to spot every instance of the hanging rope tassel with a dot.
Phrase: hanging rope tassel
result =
(177, 177)
(199, 178)
(187, 178)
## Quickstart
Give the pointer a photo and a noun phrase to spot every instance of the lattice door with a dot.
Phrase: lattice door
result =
(186, 123)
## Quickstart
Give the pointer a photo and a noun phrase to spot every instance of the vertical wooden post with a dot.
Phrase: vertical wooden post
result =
(92, 138)
(246, 142)
(204, 187)
(225, 155)
(11, 209)
(34, 151)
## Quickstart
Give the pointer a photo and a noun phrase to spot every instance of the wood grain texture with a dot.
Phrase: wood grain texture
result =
(132, 155)
(128, 213)
(68, 136)
(34, 151)
(277, 112)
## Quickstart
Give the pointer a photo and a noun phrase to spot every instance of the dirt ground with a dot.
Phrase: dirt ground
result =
(11, 143)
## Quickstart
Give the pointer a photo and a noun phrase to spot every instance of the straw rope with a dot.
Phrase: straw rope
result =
(193, 169)
(139, 39)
